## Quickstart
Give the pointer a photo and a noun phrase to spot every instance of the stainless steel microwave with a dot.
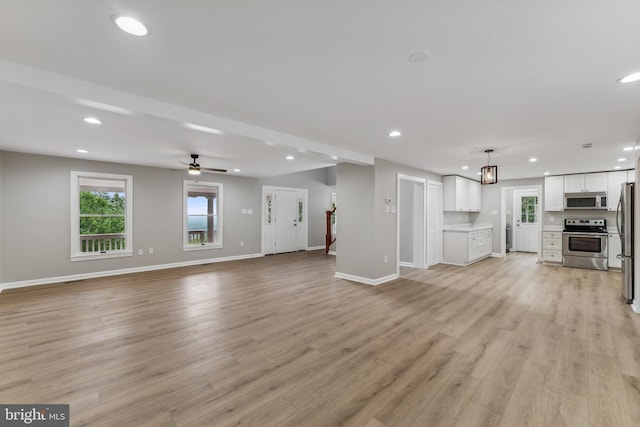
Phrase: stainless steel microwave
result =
(585, 201)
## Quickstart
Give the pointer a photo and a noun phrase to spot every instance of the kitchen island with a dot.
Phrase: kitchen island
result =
(464, 244)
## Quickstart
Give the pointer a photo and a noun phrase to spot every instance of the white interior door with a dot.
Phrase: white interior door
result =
(434, 223)
(286, 221)
(526, 220)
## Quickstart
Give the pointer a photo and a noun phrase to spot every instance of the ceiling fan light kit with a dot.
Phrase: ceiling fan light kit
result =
(196, 169)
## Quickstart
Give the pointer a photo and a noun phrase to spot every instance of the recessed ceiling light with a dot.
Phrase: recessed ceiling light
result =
(622, 159)
(546, 173)
(290, 158)
(236, 170)
(395, 133)
(131, 25)
(334, 157)
(203, 128)
(93, 120)
(420, 56)
(81, 151)
(478, 173)
(617, 167)
(465, 167)
(627, 149)
(630, 78)
(533, 160)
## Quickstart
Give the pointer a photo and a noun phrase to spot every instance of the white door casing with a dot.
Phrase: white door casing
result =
(526, 221)
(418, 225)
(434, 223)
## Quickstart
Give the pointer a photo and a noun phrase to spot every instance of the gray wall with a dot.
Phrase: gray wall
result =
(316, 181)
(449, 217)
(36, 211)
(355, 236)
(386, 234)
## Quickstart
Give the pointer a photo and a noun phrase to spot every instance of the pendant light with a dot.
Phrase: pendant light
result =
(489, 174)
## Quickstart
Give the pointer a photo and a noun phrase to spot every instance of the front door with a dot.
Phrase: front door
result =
(525, 220)
(286, 221)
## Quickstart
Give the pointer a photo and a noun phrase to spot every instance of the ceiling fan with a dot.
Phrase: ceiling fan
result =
(195, 168)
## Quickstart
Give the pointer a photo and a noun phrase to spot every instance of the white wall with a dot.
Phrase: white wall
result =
(356, 227)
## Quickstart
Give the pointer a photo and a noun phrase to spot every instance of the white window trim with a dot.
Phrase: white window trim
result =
(185, 222)
(76, 255)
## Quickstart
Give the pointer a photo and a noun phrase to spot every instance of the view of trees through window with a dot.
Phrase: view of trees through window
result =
(528, 213)
(101, 212)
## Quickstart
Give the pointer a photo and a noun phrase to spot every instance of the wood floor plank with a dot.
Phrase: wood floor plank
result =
(528, 403)
(505, 340)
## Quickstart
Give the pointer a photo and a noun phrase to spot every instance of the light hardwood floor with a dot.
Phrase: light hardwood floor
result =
(279, 341)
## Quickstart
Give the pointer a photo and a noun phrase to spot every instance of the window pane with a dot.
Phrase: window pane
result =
(102, 203)
(202, 214)
(102, 214)
(102, 225)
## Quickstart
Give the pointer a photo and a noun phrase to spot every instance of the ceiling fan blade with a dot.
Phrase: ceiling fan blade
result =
(213, 170)
(183, 163)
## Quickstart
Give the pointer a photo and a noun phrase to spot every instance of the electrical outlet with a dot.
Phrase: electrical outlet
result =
(140, 251)
(386, 259)
(241, 243)
(150, 251)
(249, 211)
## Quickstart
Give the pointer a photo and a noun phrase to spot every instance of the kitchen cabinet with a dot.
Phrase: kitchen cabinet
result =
(466, 246)
(615, 247)
(585, 183)
(615, 180)
(631, 175)
(554, 193)
(552, 246)
(461, 194)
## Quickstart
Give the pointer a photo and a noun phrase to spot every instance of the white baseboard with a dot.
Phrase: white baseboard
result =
(366, 280)
(636, 306)
(332, 253)
(497, 255)
(74, 277)
(315, 248)
(406, 264)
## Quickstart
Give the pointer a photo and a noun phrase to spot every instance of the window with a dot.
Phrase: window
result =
(528, 213)
(202, 215)
(101, 215)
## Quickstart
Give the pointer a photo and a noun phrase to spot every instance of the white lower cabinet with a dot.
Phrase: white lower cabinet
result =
(615, 247)
(467, 247)
(552, 246)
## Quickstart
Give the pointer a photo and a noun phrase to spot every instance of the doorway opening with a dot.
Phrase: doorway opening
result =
(411, 222)
(521, 220)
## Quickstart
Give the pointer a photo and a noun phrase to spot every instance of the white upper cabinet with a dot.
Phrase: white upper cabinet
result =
(613, 193)
(461, 194)
(631, 175)
(554, 193)
(586, 182)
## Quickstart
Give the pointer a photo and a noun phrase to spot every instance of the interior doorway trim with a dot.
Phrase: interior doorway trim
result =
(503, 217)
(423, 237)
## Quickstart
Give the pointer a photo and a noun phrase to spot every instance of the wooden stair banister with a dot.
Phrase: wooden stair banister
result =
(330, 237)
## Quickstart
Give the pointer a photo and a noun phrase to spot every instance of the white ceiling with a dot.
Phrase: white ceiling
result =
(320, 80)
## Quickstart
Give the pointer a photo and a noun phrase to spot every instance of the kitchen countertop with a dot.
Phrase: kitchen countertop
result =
(467, 227)
(552, 228)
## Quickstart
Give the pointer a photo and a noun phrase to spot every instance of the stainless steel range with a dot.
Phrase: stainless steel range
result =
(584, 243)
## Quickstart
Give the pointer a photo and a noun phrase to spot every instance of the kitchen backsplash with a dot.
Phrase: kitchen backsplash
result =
(557, 218)
(459, 217)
